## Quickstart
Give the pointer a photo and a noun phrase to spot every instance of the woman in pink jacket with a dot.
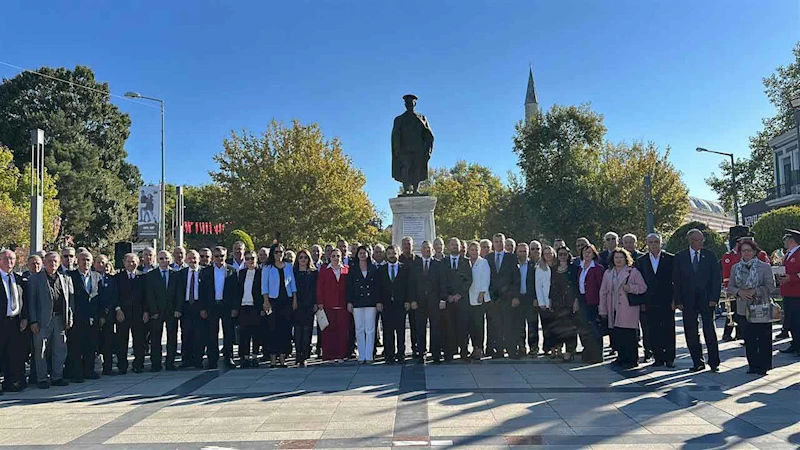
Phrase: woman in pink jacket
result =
(623, 319)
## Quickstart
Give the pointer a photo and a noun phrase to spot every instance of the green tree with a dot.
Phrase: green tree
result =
(239, 235)
(15, 198)
(85, 135)
(297, 182)
(468, 195)
(714, 241)
(574, 183)
(755, 176)
(769, 229)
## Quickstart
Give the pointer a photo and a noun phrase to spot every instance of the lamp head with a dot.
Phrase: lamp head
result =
(796, 103)
(700, 150)
(130, 94)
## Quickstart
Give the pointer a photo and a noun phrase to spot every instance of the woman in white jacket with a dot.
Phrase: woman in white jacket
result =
(543, 276)
(478, 297)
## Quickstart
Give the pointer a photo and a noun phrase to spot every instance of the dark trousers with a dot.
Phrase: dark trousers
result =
(758, 346)
(463, 326)
(303, 329)
(646, 339)
(81, 346)
(792, 317)
(548, 318)
(13, 349)
(588, 330)
(249, 331)
(412, 326)
(692, 333)
(425, 313)
(219, 313)
(512, 324)
(449, 329)
(110, 343)
(494, 331)
(133, 328)
(532, 322)
(280, 327)
(563, 329)
(192, 335)
(476, 318)
(156, 331)
(394, 331)
(627, 345)
(661, 324)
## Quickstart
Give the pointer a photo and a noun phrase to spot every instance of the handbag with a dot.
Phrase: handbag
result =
(635, 299)
(322, 319)
(768, 312)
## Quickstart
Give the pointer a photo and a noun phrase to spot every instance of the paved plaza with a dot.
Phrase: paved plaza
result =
(530, 403)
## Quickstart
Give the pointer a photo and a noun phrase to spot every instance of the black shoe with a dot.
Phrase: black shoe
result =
(137, 369)
(670, 364)
(629, 366)
(171, 367)
(715, 369)
(229, 363)
(212, 366)
(401, 360)
(74, 380)
(699, 368)
(15, 387)
(390, 362)
(108, 372)
(61, 383)
(645, 359)
(155, 369)
(782, 335)
(93, 375)
(791, 349)
(727, 339)
(43, 385)
(658, 364)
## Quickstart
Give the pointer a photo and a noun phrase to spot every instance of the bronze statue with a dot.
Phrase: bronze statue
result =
(412, 145)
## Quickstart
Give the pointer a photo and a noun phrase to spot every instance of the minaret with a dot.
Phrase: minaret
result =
(531, 99)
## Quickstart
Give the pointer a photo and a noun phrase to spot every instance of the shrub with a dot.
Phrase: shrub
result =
(239, 235)
(769, 228)
(714, 241)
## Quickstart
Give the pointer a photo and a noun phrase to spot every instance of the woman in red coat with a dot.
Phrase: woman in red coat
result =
(331, 298)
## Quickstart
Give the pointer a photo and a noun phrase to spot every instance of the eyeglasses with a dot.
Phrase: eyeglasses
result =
(610, 239)
(217, 256)
(161, 258)
(248, 258)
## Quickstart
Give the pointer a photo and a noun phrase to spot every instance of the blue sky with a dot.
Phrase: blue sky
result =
(678, 73)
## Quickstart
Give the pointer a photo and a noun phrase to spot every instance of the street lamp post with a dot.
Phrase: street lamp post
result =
(162, 232)
(733, 179)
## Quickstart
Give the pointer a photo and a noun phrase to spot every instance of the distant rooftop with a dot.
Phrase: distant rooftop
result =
(707, 206)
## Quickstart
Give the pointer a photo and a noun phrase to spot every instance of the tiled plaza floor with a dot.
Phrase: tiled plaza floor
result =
(531, 403)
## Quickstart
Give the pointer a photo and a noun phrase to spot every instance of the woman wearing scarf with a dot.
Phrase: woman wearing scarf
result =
(751, 283)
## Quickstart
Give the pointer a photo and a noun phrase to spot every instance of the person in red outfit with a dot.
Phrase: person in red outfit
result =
(790, 288)
(331, 298)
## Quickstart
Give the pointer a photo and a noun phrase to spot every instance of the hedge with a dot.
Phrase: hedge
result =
(769, 228)
(714, 241)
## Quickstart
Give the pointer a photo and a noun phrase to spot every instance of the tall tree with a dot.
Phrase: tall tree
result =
(755, 176)
(470, 200)
(15, 205)
(294, 182)
(85, 135)
(577, 184)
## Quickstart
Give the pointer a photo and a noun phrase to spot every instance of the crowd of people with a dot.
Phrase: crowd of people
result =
(463, 301)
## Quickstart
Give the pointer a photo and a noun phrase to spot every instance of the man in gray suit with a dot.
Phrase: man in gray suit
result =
(51, 306)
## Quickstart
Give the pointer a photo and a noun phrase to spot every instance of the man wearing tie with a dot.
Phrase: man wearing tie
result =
(160, 298)
(105, 298)
(188, 309)
(51, 306)
(393, 279)
(457, 314)
(656, 269)
(129, 315)
(82, 338)
(219, 286)
(428, 295)
(13, 345)
(504, 291)
(697, 284)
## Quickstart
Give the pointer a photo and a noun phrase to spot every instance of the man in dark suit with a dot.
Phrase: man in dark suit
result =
(697, 284)
(504, 291)
(161, 287)
(407, 258)
(106, 297)
(187, 308)
(219, 285)
(13, 323)
(611, 241)
(428, 295)
(527, 297)
(656, 268)
(67, 260)
(393, 283)
(129, 315)
(458, 277)
(83, 337)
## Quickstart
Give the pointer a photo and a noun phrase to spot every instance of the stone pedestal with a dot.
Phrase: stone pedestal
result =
(413, 216)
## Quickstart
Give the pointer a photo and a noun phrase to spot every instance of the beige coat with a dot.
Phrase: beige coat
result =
(764, 289)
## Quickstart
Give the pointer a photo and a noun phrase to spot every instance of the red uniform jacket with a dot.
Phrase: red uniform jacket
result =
(792, 287)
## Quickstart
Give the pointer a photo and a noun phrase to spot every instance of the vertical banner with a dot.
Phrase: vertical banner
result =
(149, 211)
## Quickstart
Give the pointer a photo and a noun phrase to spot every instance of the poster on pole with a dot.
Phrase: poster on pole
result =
(149, 211)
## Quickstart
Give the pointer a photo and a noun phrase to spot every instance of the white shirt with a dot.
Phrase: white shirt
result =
(247, 299)
(654, 261)
(337, 271)
(454, 262)
(189, 284)
(236, 265)
(481, 275)
(582, 278)
(219, 281)
(8, 281)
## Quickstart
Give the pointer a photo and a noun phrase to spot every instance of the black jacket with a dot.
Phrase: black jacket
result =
(161, 299)
(458, 281)
(230, 290)
(258, 299)
(694, 291)
(659, 285)
(306, 284)
(504, 285)
(393, 294)
(86, 307)
(180, 291)
(362, 292)
(130, 295)
(427, 290)
(21, 283)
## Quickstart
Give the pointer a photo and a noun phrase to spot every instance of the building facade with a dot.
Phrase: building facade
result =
(710, 213)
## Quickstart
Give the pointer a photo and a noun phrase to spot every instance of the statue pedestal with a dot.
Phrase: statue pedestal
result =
(413, 217)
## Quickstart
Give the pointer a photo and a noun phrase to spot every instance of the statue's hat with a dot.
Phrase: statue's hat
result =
(411, 96)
